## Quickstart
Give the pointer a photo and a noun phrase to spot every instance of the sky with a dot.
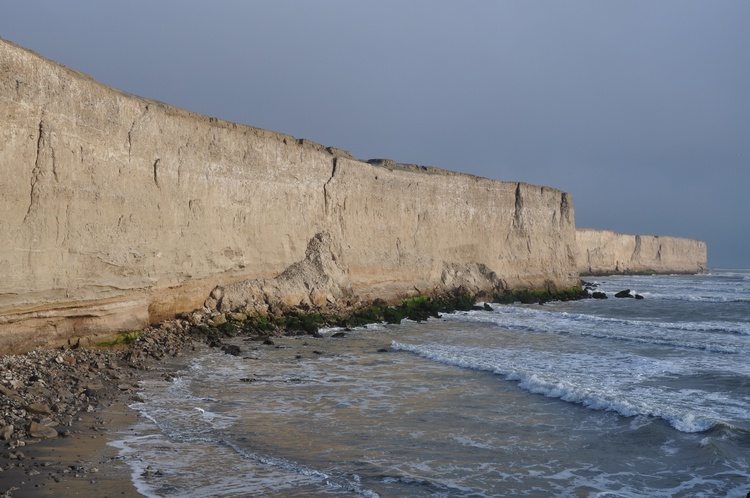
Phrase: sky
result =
(640, 109)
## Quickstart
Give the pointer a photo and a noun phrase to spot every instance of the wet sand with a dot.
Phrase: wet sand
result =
(82, 464)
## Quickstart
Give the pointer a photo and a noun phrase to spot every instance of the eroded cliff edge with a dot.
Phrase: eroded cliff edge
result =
(120, 211)
(606, 252)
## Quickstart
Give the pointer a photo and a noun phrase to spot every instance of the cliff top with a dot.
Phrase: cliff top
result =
(260, 132)
(619, 234)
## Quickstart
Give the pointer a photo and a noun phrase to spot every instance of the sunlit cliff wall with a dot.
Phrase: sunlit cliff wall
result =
(604, 252)
(119, 211)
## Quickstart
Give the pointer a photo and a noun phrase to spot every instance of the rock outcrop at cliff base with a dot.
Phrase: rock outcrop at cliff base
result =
(119, 211)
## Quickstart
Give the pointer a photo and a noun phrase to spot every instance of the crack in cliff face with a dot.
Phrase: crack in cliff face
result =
(132, 129)
(156, 172)
(182, 153)
(326, 195)
(565, 207)
(518, 212)
(36, 172)
(54, 164)
(130, 140)
(637, 250)
(422, 219)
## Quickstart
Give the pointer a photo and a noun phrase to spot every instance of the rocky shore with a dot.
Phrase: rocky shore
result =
(58, 405)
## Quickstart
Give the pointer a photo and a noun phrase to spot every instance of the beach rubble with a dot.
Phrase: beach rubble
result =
(43, 391)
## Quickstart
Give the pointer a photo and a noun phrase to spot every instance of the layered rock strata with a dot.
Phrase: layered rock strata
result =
(607, 252)
(120, 211)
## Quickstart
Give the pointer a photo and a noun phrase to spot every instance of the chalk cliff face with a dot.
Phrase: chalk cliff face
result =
(120, 211)
(604, 252)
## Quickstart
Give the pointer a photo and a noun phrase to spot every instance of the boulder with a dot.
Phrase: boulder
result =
(624, 293)
(41, 431)
(6, 432)
(39, 409)
(231, 349)
(599, 295)
(8, 392)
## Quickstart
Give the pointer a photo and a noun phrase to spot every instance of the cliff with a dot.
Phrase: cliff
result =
(605, 252)
(120, 211)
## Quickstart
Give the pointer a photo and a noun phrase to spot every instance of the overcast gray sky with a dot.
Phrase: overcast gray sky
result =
(639, 109)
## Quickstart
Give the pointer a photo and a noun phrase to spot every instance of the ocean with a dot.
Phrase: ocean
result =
(600, 398)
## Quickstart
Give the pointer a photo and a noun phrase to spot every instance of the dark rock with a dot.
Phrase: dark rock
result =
(487, 307)
(599, 295)
(268, 342)
(624, 293)
(638, 296)
(231, 349)
(339, 334)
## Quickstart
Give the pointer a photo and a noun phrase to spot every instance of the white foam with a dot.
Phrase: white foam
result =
(610, 382)
(189, 450)
(716, 287)
(706, 336)
(182, 469)
(369, 327)
(546, 350)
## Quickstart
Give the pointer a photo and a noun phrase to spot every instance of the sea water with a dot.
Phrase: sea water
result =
(615, 397)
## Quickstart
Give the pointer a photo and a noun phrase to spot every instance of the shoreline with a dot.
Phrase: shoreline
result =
(59, 408)
(82, 464)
